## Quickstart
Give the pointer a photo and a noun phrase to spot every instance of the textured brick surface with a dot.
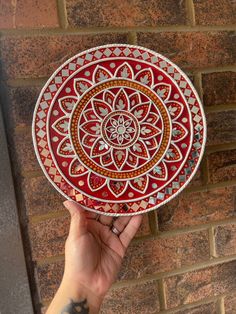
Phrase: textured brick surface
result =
(21, 104)
(192, 49)
(222, 166)
(49, 277)
(219, 88)
(22, 152)
(230, 304)
(28, 13)
(225, 238)
(48, 237)
(200, 284)
(215, 12)
(40, 56)
(41, 197)
(140, 298)
(161, 255)
(144, 228)
(197, 208)
(209, 308)
(125, 13)
(221, 127)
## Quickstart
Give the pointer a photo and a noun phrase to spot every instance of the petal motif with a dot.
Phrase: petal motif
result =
(106, 159)
(88, 140)
(124, 71)
(95, 182)
(151, 143)
(121, 101)
(67, 104)
(90, 115)
(152, 118)
(173, 154)
(175, 109)
(148, 130)
(134, 99)
(65, 148)
(179, 132)
(108, 97)
(145, 77)
(117, 188)
(163, 90)
(141, 111)
(159, 172)
(132, 160)
(91, 127)
(140, 184)
(99, 148)
(100, 74)
(76, 168)
(61, 125)
(101, 108)
(139, 149)
(119, 157)
(81, 85)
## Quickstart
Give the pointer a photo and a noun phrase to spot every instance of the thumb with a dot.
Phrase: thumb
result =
(78, 223)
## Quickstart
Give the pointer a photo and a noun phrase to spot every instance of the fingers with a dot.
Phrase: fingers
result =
(121, 222)
(130, 230)
(78, 224)
(106, 220)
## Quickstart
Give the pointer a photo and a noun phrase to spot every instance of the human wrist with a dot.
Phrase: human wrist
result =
(78, 292)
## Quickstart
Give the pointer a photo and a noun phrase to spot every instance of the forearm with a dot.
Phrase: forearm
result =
(73, 300)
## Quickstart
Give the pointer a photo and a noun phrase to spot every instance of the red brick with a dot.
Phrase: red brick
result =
(221, 127)
(40, 56)
(209, 308)
(48, 237)
(197, 285)
(164, 254)
(192, 50)
(144, 229)
(139, 298)
(225, 238)
(214, 12)
(222, 166)
(49, 277)
(40, 196)
(190, 209)
(219, 88)
(197, 179)
(28, 13)
(125, 13)
(20, 105)
(22, 152)
(230, 304)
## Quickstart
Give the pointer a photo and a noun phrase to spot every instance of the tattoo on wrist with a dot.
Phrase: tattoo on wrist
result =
(78, 307)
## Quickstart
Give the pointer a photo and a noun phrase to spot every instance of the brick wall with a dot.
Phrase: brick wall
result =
(183, 259)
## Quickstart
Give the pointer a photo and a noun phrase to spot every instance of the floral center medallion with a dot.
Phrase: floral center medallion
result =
(119, 129)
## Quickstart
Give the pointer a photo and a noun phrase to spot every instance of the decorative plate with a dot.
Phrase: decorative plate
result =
(119, 129)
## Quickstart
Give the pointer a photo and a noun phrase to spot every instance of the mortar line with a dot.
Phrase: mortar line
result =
(219, 148)
(220, 305)
(153, 222)
(24, 81)
(94, 30)
(132, 38)
(62, 14)
(204, 170)
(161, 294)
(190, 10)
(197, 81)
(218, 108)
(211, 234)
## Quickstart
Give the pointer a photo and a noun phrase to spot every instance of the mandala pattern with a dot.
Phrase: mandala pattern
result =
(119, 125)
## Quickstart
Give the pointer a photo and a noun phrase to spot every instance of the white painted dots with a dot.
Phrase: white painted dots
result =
(55, 112)
(112, 65)
(131, 194)
(81, 182)
(65, 164)
(160, 78)
(154, 185)
(87, 73)
(138, 67)
(68, 90)
(184, 120)
(176, 96)
(55, 139)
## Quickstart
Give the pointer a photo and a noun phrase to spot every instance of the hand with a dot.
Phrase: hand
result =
(93, 253)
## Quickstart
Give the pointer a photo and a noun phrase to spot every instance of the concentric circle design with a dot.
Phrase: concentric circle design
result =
(119, 129)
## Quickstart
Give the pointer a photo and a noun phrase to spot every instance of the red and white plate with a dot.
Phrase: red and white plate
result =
(119, 129)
